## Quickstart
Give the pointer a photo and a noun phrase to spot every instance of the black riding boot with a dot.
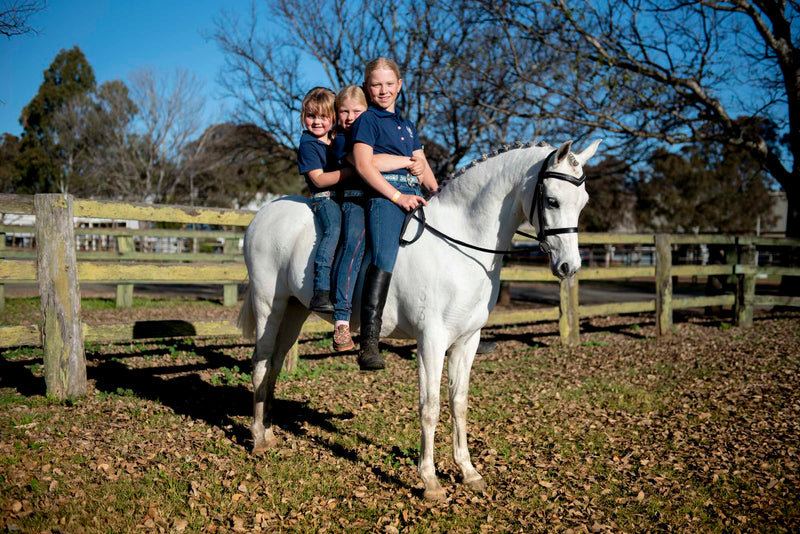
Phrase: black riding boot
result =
(373, 299)
(321, 302)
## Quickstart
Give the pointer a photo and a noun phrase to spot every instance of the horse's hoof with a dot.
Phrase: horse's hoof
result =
(434, 494)
(476, 484)
(263, 446)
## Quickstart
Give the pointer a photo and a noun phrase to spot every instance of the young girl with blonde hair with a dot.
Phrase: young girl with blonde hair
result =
(322, 172)
(382, 130)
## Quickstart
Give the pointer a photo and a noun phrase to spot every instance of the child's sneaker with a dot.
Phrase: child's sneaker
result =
(341, 338)
(321, 302)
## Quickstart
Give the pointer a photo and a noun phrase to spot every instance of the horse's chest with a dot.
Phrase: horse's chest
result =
(446, 300)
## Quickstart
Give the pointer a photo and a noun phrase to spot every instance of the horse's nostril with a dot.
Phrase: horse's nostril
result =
(564, 268)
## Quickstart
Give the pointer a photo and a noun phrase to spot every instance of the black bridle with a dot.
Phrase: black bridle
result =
(538, 197)
(538, 194)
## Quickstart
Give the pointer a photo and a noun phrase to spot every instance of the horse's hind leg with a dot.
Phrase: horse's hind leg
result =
(276, 339)
(458, 370)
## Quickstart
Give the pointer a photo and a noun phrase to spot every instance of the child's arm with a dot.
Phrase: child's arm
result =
(326, 179)
(363, 157)
(389, 162)
(427, 177)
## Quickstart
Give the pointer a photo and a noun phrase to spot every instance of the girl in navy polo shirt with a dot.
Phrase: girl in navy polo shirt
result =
(317, 163)
(381, 130)
(350, 103)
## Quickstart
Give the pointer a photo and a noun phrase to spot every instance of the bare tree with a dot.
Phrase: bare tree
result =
(169, 115)
(452, 69)
(111, 142)
(69, 125)
(14, 15)
(674, 71)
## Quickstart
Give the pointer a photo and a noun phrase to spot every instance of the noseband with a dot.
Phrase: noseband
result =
(537, 205)
(538, 200)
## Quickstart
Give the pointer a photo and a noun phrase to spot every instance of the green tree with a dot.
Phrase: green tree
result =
(709, 188)
(10, 173)
(611, 197)
(229, 165)
(69, 79)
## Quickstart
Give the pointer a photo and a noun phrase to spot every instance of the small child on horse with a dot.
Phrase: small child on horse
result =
(318, 164)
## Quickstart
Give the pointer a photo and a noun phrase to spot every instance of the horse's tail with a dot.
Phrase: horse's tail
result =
(247, 319)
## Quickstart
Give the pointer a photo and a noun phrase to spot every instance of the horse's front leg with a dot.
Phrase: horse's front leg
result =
(430, 365)
(459, 367)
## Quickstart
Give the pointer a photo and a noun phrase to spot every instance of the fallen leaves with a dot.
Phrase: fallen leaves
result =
(627, 434)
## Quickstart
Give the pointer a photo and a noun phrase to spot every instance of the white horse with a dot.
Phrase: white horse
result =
(441, 292)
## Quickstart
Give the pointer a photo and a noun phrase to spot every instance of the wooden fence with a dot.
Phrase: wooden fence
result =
(59, 268)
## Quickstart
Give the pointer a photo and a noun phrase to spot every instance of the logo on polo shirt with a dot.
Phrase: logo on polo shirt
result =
(410, 132)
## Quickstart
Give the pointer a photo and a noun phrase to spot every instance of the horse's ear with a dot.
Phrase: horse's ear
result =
(588, 152)
(562, 152)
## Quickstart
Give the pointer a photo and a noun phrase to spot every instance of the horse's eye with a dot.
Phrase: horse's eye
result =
(552, 202)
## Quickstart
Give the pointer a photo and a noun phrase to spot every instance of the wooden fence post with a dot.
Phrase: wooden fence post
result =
(568, 318)
(62, 338)
(230, 292)
(125, 291)
(504, 298)
(746, 287)
(663, 285)
(2, 286)
(292, 359)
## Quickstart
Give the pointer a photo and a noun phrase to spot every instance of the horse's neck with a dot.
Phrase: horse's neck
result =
(481, 204)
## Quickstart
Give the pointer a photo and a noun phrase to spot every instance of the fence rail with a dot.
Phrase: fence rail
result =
(126, 267)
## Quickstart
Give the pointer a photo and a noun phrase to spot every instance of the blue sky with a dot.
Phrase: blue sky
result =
(117, 37)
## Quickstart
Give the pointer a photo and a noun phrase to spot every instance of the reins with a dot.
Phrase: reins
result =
(425, 226)
(537, 195)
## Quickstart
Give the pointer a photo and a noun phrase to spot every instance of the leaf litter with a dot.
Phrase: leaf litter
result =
(624, 433)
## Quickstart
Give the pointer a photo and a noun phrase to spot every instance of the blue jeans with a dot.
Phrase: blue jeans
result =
(385, 221)
(329, 217)
(348, 259)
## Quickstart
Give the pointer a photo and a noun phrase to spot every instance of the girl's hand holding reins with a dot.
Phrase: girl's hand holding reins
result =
(408, 202)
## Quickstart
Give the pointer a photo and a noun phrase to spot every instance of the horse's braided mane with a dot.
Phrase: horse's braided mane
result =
(484, 157)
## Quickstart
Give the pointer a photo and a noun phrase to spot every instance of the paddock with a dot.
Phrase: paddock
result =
(621, 433)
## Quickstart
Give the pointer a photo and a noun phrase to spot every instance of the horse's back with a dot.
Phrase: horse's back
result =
(277, 246)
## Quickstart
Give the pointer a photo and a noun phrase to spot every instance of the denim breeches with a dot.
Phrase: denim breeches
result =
(348, 258)
(385, 222)
(329, 217)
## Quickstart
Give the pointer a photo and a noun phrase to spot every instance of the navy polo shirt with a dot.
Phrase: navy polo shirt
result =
(314, 154)
(386, 133)
(341, 146)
